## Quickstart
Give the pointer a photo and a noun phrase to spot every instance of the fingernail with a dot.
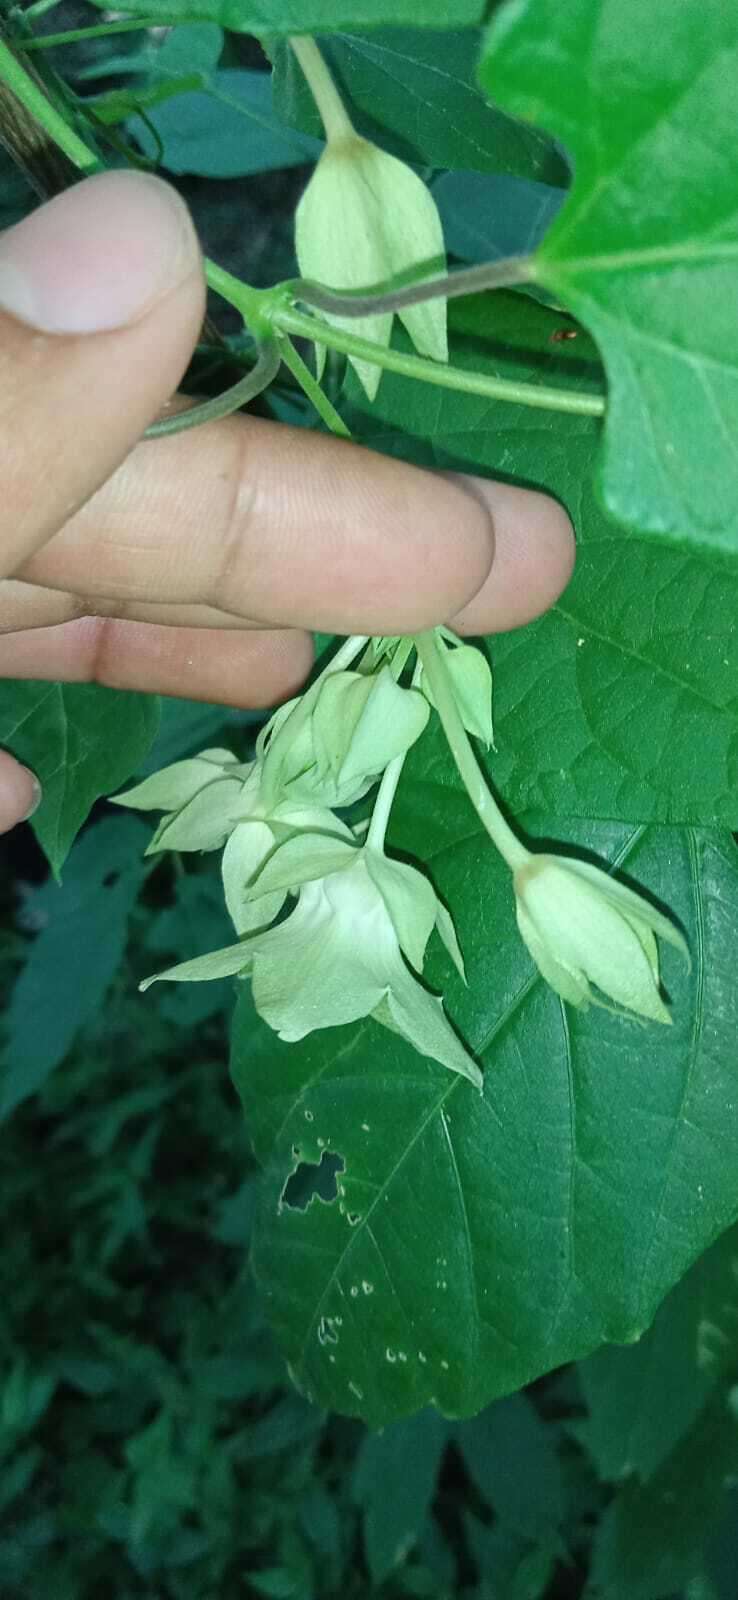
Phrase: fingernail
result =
(98, 256)
(37, 794)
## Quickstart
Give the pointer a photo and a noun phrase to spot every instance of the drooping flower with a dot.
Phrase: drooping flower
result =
(344, 951)
(364, 218)
(582, 927)
(356, 723)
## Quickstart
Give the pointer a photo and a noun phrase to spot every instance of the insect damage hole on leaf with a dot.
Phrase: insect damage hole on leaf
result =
(311, 1180)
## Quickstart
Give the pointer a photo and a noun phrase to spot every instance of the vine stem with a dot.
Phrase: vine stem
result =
(246, 300)
(266, 311)
(333, 113)
(101, 30)
(444, 377)
(486, 807)
(506, 273)
(41, 108)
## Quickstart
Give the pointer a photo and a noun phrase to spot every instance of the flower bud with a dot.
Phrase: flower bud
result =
(581, 926)
(364, 218)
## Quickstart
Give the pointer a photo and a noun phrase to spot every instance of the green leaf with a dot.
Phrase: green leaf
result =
(722, 1552)
(645, 250)
(82, 741)
(511, 1456)
(308, 16)
(478, 1241)
(489, 215)
(227, 129)
(415, 94)
(188, 726)
(394, 1482)
(651, 1540)
(73, 957)
(643, 1399)
(621, 700)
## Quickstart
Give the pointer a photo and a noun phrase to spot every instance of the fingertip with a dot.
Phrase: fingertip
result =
(20, 792)
(98, 256)
(534, 559)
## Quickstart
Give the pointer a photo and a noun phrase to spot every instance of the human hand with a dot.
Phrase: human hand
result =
(194, 564)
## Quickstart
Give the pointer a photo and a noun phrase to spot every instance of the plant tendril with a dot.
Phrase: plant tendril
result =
(263, 372)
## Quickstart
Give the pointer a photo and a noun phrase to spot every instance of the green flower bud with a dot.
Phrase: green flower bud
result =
(358, 724)
(581, 926)
(364, 218)
(471, 679)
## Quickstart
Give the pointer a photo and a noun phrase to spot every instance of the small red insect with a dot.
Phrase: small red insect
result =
(561, 334)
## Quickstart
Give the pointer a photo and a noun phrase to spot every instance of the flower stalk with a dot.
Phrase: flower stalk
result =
(431, 656)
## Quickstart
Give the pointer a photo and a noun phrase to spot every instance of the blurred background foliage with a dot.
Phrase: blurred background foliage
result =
(151, 1441)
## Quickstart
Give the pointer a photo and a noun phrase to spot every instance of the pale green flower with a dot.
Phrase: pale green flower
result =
(203, 798)
(359, 722)
(581, 926)
(364, 218)
(341, 954)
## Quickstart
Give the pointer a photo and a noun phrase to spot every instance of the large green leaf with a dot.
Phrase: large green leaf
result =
(74, 956)
(477, 1241)
(620, 702)
(659, 1417)
(394, 1483)
(309, 16)
(646, 250)
(650, 1543)
(82, 741)
(643, 1399)
(511, 1457)
(416, 94)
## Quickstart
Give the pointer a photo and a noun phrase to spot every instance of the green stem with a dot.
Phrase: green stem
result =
(503, 274)
(445, 377)
(39, 9)
(267, 311)
(292, 359)
(253, 304)
(47, 40)
(333, 114)
(46, 114)
(246, 300)
(430, 654)
(383, 803)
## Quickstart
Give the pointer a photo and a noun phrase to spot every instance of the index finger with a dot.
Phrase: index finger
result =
(276, 526)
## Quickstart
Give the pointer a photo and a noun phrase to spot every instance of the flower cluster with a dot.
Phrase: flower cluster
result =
(354, 942)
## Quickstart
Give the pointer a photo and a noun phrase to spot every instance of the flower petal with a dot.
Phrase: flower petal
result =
(205, 822)
(246, 851)
(174, 786)
(309, 973)
(225, 963)
(420, 1018)
(410, 900)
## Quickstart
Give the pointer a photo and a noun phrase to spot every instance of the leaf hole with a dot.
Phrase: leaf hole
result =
(313, 1180)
